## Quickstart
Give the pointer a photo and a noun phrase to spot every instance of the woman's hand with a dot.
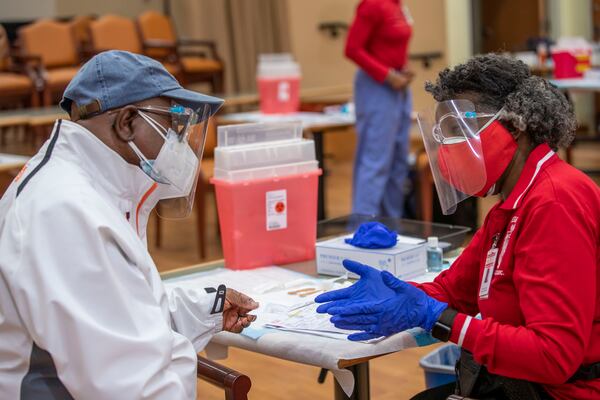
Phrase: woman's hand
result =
(369, 287)
(399, 80)
(388, 313)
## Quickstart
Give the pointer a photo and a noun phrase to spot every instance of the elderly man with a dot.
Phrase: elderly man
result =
(83, 312)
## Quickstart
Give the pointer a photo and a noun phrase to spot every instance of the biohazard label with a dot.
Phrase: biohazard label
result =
(276, 210)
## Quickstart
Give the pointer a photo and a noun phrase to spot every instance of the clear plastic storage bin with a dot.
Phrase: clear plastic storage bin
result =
(439, 365)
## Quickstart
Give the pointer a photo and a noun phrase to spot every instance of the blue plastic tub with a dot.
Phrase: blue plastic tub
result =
(439, 365)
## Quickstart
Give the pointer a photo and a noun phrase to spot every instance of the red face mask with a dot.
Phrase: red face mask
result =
(460, 163)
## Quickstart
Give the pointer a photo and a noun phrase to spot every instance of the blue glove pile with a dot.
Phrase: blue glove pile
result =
(379, 305)
(373, 235)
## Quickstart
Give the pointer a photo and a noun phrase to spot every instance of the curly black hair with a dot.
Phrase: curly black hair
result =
(529, 103)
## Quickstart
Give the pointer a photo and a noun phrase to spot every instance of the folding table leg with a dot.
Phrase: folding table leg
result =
(361, 384)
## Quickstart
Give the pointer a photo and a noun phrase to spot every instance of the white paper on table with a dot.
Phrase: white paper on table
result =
(270, 287)
(307, 320)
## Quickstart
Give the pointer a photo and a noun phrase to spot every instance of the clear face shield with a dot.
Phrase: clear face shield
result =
(451, 134)
(177, 166)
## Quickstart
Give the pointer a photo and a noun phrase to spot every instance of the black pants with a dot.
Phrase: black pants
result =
(442, 392)
(436, 393)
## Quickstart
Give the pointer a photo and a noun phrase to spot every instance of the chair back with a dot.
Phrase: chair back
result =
(113, 32)
(4, 50)
(80, 25)
(51, 40)
(156, 26)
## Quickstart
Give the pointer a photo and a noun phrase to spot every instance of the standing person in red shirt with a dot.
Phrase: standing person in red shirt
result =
(533, 269)
(378, 44)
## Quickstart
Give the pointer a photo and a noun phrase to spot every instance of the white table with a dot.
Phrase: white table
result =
(11, 161)
(348, 361)
(577, 84)
(574, 85)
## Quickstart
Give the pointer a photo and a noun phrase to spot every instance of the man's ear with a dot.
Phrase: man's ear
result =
(123, 122)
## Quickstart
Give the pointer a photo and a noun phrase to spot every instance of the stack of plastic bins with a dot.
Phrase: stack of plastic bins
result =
(266, 183)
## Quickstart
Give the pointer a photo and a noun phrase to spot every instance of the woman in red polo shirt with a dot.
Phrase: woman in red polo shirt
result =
(533, 269)
(378, 44)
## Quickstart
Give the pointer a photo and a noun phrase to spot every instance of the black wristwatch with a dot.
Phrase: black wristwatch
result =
(443, 327)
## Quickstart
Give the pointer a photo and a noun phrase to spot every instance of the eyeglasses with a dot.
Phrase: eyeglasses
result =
(181, 118)
(457, 127)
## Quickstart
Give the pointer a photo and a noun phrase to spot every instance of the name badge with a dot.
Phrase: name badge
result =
(488, 273)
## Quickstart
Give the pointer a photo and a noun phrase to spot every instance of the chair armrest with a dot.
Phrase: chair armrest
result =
(22, 59)
(170, 48)
(30, 65)
(210, 44)
(196, 42)
(160, 44)
(192, 53)
(236, 385)
(86, 51)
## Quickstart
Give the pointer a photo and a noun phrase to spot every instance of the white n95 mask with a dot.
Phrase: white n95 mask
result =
(175, 165)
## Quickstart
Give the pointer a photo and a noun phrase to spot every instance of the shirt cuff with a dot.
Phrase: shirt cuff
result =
(214, 323)
(465, 331)
(380, 74)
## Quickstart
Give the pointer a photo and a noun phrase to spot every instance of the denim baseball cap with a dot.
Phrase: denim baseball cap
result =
(114, 79)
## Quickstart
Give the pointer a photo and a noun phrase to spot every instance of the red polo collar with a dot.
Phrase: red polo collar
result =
(540, 158)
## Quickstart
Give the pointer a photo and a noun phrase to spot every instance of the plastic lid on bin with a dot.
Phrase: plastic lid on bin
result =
(246, 134)
(264, 154)
(275, 57)
(277, 65)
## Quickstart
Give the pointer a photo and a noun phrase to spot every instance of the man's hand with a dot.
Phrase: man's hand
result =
(235, 312)
(399, 80)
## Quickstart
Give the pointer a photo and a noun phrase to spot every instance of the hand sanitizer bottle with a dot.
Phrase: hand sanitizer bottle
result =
(434, 255)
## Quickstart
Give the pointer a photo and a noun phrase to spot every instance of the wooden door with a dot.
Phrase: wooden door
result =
(507, 24)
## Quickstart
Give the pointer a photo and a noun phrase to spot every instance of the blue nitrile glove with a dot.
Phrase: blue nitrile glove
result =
(408, 307)
(369, 287)
(373, 235)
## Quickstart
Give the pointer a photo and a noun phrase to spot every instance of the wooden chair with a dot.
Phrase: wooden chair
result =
(17, 77)
(80, 26)
(51, 43)
(235, 384)
(113, 32)
(198, 66)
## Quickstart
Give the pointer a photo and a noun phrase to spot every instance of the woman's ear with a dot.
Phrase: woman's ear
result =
(123, 123)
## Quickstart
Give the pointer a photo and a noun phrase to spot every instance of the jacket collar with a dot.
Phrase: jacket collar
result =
(109, 173)
(538, 160)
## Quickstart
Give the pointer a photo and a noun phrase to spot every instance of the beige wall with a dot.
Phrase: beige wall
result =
(15, 10)
(127, 8)
(570, 18)
(459, 31)
(322, 57)
(429, 35)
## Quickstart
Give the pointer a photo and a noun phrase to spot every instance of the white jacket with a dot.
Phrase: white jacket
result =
(83, 312)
